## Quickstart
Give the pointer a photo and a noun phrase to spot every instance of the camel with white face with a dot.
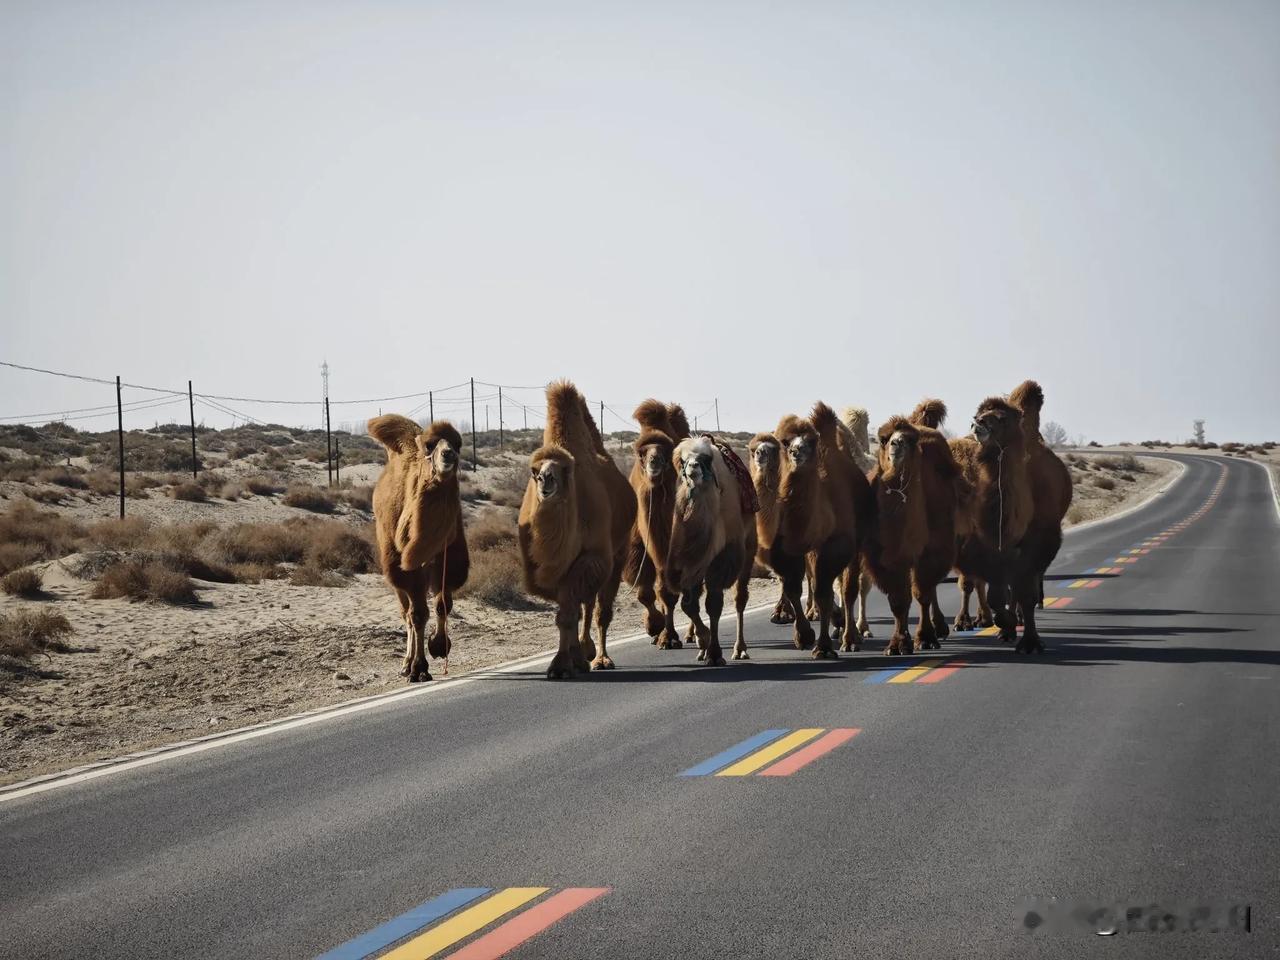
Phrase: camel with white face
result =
(417, 511)
(713, 543)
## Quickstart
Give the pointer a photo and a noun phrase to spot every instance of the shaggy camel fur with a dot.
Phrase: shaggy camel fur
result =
(417, 514)
(765, 456)
(823, 503)
(947, 496)
(574, 527)
(1003, 506)
(713, 543)
(653, 478)
(1050, 485)
(965, 450)
(899, 524)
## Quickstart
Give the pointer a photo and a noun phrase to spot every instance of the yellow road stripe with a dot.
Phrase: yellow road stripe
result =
(752, 763)
(464, 924)
(915, 673)
(989, 632)
(1078, 583)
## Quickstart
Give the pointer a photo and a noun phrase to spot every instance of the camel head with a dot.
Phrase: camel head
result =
(899, 447)
(799, 442)
(551, 474)
(766, 460)
(695, 462)
(997, 425)
(440, 447)
(654, 451)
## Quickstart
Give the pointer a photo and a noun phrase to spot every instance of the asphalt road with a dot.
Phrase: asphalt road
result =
(1134, 763)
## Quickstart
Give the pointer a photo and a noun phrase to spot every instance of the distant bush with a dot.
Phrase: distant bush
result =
(24, 633)
(335, 546)
(1104, 483)
(40, 534)
(309, 498)
(46, 495)
(262, 487)
(308, 576)
(23, 582)
(138, 580)
(63, 477)
(496, 579)
(189, 491)
(359, 498)
(490, 529)
(231, 491)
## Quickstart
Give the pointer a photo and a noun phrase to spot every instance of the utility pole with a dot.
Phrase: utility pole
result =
(431, 405)
(474, 458)
(526, 415)
(120, 437)
(602, 419)
(717, 414)
(191, 405)
(328, 441)
(501, 444)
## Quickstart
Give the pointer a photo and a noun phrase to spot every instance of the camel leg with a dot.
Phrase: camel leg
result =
(850, 584)
(713, 656)
(823, 648)
(415, 625)
(439, 644)
(654, 621)
(1040, 593)
(782, 612)
(864, 588)
(985, 617)
(810, 607)
(899, 593)
(1025, 590)
(604, 617)
(740, 594)
(925, 638)
(562, 665)
(1004, 617)
(689, 604)
(964, 620)
(940, 626)
(586, 648)
(669, 639)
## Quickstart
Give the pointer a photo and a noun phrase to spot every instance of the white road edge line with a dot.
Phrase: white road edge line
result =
(1145, 501)
(185, 748)
(1271, 478)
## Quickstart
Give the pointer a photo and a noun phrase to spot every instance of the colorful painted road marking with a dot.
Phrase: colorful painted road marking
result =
(782, 754)
(937, 676)
(455, 926)
(784, 745)
(1057, 603)
(911, 674)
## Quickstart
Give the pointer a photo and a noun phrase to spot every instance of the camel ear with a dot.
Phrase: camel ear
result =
(398, 434)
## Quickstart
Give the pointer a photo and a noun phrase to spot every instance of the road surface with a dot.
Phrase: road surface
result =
(1133, 764)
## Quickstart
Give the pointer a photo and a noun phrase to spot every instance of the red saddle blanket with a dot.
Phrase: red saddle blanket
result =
(746, 488)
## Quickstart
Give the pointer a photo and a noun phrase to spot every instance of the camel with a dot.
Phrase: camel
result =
(1050, 485)
(995, 463)
(823, 502)
(713, 539)
(899, 525)
(765, 455)
(574, 527)
(948, 499)
(653, 478)
(422, 547)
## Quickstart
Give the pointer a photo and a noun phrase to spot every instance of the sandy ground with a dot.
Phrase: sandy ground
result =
(143, 674)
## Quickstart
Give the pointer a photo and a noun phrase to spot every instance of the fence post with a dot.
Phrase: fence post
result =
(431, 406)
(717, 414)
(474, 459)
(120, 437)
(337, 462)
(191, 405)
(526, 415)
(328, 441)
(601, 424)
(501, 439)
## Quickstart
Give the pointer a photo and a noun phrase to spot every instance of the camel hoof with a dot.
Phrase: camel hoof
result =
(602, 663)
(825, 653)
(715, 660)
(702, 655)
(865, 633)
(942, 630)
(669, 643)
(741, 655)
(653, 639)
(1031, 644)
(985, 622)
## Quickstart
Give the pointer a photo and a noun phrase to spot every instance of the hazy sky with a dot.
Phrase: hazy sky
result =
(766, 203)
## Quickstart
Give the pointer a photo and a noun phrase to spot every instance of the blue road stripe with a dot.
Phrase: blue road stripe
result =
(880, 676)
(405, 924)
(733, 753)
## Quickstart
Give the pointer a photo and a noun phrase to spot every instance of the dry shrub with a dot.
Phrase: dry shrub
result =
(127, 534)
(23, 582)
(262, 487)
(15, 555)
(211, 480)
(359, 498)
(309, 498)
(309, 576)
(24, 633)
(138, 580)
(1104, 483)
(256, 572)
(495, 579)
(47, 495)
(266, 543)
(231, 491)
(336, 546)
(189, 491)
(46, 534)
(1075, 513)
(492, 528)
(63, 477)
(508, 486)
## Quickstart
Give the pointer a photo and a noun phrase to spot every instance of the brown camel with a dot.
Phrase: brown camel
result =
(653, 478)
(765, 455)
(823, 503)
(899, 525)
(418, 519)
(992, 549)
(947, 496)
(574, 527)
(713, 540)
(1050, 485)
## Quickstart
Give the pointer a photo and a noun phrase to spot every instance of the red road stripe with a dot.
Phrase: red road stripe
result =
(941, 673)
(529, 924)
(1063, 602)
(803, 757)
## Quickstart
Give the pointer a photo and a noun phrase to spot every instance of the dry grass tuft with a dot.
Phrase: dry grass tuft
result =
(262, 487)
(1104, 483)
(492, 528)
(309, 498)
(24, 582)
(24, 633)
(495, 579)
(38, 534)
(359, 498)
(139, 580)
(189, 491)
(309, 576)
(334, 546)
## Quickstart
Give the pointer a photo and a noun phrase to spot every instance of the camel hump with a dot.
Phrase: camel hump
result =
(398, 434)
(678, 422)
(825, 421)
(652, 414)
(856, 419)
(929, 413)
(1028, 395)
(569, 423)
